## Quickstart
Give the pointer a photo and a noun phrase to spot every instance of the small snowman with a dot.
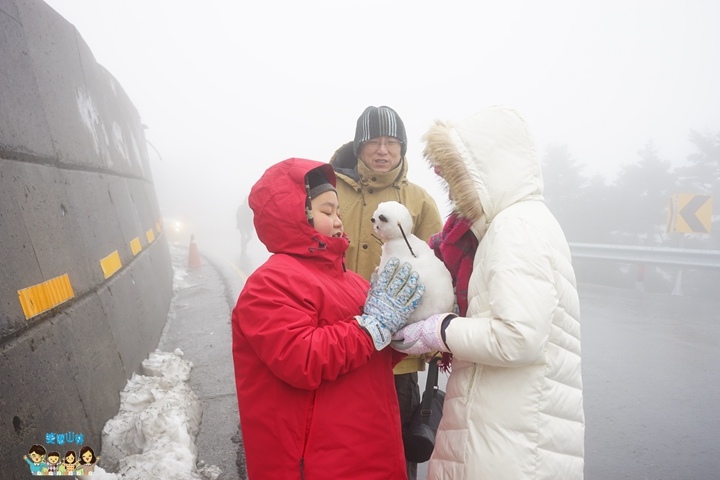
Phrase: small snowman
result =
(393, 224)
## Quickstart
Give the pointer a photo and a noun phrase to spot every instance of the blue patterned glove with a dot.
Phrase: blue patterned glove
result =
(393, 296)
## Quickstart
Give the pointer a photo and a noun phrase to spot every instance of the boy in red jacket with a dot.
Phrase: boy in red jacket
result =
(314, 378)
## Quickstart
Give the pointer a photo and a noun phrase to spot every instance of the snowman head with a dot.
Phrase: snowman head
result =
(389, 218)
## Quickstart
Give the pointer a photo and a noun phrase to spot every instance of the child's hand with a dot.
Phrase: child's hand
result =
(393, 296)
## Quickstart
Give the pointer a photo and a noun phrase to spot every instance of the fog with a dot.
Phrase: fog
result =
(228, 88)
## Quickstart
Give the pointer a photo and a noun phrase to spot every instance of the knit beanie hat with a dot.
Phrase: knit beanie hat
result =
(379, 122)
(316, 183)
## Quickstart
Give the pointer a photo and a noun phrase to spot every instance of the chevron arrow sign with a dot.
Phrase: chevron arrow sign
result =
(690, 213)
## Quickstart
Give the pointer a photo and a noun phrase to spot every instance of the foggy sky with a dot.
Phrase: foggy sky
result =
(228, 88)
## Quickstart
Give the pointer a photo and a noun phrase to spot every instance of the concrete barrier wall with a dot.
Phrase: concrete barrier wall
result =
(85, 269)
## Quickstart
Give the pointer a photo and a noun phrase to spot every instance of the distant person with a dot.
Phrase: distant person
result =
(244, 223)
(372, 169)
(514, 403)
(314, 380)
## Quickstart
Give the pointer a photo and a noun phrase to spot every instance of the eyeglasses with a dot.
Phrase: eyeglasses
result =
(389, 143)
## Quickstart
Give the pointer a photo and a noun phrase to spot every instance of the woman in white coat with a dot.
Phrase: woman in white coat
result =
(514, 405)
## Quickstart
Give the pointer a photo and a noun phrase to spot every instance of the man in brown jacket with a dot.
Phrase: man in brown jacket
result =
(370, 170)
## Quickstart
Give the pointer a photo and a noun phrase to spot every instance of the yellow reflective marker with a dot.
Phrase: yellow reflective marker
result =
(150, 236)
(157, 226)
(111, 264)
(135, 245)
(44, 296)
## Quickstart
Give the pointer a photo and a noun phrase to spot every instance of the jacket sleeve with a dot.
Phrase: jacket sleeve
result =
(278, 315)
(517, 270)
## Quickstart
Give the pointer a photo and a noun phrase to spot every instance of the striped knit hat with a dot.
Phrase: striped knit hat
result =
(379, 122)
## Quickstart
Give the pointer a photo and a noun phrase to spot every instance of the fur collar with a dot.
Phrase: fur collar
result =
(460, 177)
(488, 161)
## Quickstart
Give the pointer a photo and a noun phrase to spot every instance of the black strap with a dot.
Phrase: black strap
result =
(431, 386)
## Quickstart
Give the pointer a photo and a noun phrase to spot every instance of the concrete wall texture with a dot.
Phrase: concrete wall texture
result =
(85, 269)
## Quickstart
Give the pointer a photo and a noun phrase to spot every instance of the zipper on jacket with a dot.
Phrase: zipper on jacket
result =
(311, 407)
(472, 380)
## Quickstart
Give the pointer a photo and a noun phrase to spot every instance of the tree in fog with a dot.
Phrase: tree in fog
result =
(579, 202)
(704, 169)
(633, 211)
(701, 176)
(564, 181)
(598, 216)
(640, 197)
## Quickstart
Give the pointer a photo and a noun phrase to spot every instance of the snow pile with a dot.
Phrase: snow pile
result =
(179, 274)
(153, 434)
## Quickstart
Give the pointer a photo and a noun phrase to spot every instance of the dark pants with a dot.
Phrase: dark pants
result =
(408, 393)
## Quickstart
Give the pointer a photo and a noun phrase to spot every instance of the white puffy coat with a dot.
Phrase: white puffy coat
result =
(514, 404)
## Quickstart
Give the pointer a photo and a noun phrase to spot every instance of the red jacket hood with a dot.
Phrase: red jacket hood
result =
(278, 203)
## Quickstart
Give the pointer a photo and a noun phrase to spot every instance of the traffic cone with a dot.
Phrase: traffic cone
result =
(194, 256)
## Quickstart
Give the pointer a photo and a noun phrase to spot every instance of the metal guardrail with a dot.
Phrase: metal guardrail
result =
(679, 257)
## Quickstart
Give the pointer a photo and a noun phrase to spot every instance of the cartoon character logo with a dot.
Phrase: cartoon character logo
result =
(87, 461)
(69, 463)
(53, 463)
(36, 460)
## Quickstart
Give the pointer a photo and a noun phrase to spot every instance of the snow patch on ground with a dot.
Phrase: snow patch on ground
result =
(153, 434)
(179, 273)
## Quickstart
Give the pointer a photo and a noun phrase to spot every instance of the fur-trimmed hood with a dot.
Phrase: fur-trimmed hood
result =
(514, 403)
(278, 203)
(487, 160)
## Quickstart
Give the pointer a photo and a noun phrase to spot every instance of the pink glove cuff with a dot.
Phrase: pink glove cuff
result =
(422, 337)
(436, 337)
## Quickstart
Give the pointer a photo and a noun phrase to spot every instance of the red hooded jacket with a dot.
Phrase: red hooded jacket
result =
(316, 400)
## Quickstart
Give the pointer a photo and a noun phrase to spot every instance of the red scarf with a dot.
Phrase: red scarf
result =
(455, 245)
